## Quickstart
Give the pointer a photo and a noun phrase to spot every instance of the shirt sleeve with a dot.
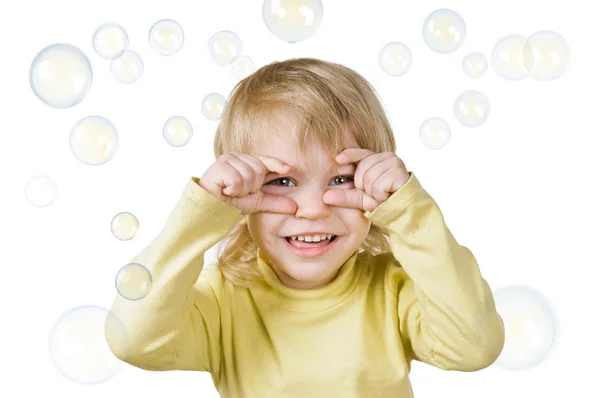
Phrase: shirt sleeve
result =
(447, 314)
(176, 326)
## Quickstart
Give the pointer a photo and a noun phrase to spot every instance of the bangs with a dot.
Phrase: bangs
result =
(261, 123)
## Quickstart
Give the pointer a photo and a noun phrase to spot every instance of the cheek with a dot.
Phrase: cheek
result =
(263, 224)
(355, 221)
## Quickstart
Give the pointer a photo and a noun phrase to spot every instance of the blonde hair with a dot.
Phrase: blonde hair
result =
(325, 99)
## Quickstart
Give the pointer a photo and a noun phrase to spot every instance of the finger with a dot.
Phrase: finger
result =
(351, 198)
(259, 171)
(352, 155)
(382, 187)
(275, 165)
(231, 181)
(276, 204)
(364, 165)
(246, 173)
(373, 174)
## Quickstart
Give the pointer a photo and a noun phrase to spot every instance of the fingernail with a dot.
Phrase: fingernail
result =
(341, 158)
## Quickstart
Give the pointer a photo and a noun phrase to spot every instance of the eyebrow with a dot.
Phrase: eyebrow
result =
(336, 171)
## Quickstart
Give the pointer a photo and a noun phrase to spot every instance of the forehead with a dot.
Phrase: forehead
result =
(282, 145)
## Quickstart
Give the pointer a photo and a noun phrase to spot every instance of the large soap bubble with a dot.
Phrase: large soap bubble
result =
(166, 37)
(94, 140)
(224, 46)
(444, 31)
(41, 191)
(531, 326)
(292, 20)
(60, 75)
(133, 281)
(507, 57)
(79, 348)
(110, 40)
(546, 55)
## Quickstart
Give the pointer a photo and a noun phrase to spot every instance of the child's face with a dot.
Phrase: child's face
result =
(309, 179)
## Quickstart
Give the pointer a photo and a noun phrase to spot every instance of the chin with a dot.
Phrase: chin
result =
(312, 273)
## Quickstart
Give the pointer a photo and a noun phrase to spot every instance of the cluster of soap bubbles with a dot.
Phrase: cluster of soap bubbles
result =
(61, 76)
(544, 56)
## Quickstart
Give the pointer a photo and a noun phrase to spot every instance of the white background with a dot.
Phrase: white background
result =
(521, 191)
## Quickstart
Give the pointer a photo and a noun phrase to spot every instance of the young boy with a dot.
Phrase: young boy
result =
(337, 268)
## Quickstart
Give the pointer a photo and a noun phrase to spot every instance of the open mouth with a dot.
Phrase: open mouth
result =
(302, 244)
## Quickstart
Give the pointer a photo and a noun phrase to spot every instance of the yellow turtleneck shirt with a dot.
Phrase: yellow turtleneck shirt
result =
(352, 338)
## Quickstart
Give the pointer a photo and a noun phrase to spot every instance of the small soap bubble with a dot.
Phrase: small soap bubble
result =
(124, 226)
(292, 20)
(472, 108)
(546, 55)
(507, 57)
(60, 75)
(166, 37)
(110, 40)
(79, 348)
(224, 47)
(133, 281)
(444, 31)
(127, 67)
(475, 65)
(395, 59)
(41, 191)
(531, 327)
(94, 140)
(213, 105)
(241, 67)
(177, 131)
(434, 133)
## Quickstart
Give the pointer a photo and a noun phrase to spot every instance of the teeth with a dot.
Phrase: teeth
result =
(314, 238)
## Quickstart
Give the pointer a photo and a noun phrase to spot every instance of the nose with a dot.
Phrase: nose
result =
(310, 205)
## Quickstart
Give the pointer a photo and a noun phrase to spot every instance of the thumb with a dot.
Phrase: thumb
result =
(351, 198)
(275, 203)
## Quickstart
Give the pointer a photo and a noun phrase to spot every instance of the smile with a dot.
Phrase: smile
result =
(310, 249)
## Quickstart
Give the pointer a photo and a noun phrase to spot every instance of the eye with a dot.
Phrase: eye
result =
(285, 180)
(350, 178)
(279, 179)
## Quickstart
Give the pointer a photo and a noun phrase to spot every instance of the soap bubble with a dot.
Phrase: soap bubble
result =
(110, 40)
(472, 108)
(395, 59)
(124, 226)
(133, 281)
(546, 55)
(224, 46)
(507, 57)
(93, 140)
(127, 67)
(40, 191)
(241, 67)
(444, 31)
(60, 75)
(292, 20)
(177, 131)
(79, 348)
(213, 105)
(166, 37)
(434, 133)
(531, 326)
(475, 65)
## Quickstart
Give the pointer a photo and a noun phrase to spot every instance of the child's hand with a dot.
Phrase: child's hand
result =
(237, 178)
(377, 177)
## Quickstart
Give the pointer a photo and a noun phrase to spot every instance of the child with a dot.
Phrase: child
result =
(382, 283)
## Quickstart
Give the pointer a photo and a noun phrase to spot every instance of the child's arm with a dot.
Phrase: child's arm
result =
(446, 309)
(177, 326)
